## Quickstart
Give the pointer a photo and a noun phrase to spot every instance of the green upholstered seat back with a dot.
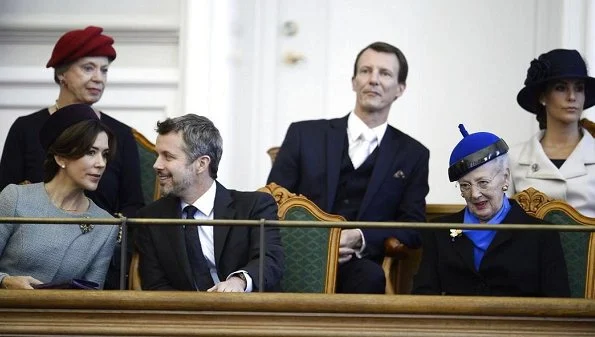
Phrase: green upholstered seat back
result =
(147, 157)
(575, 246)
(306, 254)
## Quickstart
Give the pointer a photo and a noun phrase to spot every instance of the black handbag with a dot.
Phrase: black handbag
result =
(69, 284)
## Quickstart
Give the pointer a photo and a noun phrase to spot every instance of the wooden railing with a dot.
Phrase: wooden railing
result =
(130, 313)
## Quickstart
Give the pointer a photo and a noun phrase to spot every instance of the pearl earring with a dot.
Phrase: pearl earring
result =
(505, 188)
(63, 166)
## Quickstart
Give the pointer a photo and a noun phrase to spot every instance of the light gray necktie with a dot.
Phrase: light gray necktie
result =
(363, 146)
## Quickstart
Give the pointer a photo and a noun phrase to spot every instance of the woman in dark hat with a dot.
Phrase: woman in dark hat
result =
(489, 262)
(80, 59)
(560, 159)
(78, 148)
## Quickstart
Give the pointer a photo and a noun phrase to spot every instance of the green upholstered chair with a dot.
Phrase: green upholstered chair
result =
(147, 156)
(311, 254)
(579, 247)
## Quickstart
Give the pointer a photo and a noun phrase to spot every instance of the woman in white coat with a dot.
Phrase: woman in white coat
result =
(560, 159)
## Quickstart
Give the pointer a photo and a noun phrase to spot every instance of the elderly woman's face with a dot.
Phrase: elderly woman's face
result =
(85, 79)
(482, 190)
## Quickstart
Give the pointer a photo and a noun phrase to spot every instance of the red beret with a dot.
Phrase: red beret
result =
(81, 43)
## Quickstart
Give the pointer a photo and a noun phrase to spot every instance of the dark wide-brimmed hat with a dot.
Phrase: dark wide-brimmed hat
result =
(554, 65)
(81, 43)
(62, 119)
(473, 151)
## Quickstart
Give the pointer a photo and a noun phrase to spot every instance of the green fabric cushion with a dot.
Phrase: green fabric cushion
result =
(306, 251)
(147, 174)
(575, 246)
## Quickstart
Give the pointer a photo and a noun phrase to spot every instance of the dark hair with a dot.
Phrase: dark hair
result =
(59, 70)
(74, 142)
(383, 47)
(201, 138)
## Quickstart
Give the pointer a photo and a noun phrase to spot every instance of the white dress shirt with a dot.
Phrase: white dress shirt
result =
(355, 128)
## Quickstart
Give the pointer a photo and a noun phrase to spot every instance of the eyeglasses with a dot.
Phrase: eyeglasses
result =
(482, 184)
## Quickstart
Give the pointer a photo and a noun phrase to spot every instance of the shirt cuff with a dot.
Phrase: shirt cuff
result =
(360, 253)
(247, 277)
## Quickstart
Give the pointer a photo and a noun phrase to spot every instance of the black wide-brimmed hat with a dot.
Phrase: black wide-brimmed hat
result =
(556, 64)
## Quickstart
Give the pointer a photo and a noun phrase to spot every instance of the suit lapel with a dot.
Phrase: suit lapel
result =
(335, 143)
(221, 210)
(387, 154)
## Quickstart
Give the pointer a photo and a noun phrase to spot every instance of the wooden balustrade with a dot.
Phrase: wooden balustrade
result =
(134, 313)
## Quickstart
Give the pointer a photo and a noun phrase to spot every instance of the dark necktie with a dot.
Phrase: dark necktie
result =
(198, 262)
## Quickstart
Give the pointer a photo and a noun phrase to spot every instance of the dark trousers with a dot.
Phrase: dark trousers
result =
(360, 276)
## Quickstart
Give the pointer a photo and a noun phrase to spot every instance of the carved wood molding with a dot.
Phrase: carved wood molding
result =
(531, 200)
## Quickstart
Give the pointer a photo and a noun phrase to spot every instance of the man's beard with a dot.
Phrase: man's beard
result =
(177, 188)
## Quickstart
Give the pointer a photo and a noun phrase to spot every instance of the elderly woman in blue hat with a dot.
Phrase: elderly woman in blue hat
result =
(78, 147)
(489, 262)
(560, 159)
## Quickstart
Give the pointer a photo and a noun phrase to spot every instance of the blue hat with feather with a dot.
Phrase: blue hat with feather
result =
(473, 151)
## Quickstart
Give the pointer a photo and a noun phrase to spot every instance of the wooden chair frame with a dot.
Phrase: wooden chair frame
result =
(285, 201)
(538, 204)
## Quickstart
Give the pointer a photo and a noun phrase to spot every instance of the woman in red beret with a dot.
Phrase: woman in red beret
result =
(80, 59)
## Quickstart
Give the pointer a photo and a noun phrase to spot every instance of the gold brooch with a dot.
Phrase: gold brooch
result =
(455, 233)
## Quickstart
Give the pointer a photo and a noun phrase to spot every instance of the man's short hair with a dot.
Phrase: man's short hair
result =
(383, 47)
(201, 138)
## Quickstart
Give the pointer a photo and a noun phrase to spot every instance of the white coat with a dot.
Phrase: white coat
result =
(573, 182)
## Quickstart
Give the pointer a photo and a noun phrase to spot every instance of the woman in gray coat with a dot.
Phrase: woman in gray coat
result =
(78, 147)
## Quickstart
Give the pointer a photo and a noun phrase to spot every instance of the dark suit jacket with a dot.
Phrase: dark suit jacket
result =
(164, 263)
(517, 263)
(309, 163)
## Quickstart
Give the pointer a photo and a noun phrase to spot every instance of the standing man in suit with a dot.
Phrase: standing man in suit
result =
(204, 258)
(362, 168)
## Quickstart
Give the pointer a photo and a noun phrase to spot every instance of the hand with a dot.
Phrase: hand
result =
(232, 285)
(19, 282)
(345, 254)
(351, 238)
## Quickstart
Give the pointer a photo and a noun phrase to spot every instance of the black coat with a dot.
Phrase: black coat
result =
(517, 263)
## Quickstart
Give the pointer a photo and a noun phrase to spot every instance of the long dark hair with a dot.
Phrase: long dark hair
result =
(74, 142)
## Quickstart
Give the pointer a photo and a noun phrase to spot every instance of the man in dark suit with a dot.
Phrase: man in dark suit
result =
(362, 168)
(204, 258)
